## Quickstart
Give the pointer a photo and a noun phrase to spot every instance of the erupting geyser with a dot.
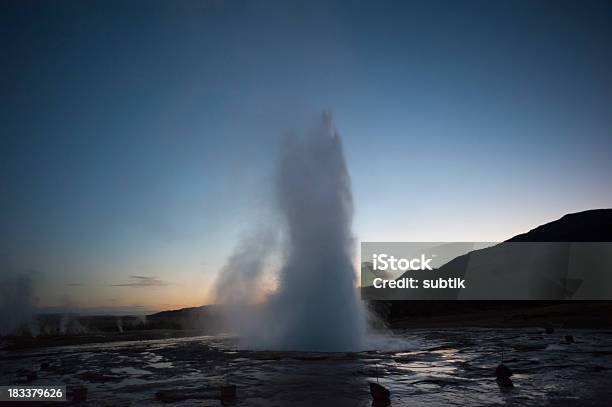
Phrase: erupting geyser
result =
(315, 307)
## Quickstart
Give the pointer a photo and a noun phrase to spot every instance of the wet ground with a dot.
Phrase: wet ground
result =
(432, 368)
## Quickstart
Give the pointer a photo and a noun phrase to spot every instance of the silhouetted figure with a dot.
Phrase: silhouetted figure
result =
(569, 338)
(550, 330)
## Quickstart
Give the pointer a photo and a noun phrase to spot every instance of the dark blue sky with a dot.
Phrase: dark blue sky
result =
(138, 137)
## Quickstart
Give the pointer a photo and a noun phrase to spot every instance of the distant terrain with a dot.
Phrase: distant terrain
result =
(588, 226)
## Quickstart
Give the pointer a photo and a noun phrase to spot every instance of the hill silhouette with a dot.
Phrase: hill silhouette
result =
(588, 226)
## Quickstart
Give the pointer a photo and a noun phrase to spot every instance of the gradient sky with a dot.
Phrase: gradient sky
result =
(138, 138)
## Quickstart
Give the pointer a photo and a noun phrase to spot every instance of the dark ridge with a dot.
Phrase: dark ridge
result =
(206, 316)
(589, 226)
(191, 311)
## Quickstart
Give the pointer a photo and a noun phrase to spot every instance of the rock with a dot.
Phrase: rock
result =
(504, 382)
(228, 393)
(170, 396)
(569, 338)
(381, 403)
(503, 372)
(379, 392)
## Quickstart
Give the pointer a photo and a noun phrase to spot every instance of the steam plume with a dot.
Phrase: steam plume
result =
(17, 303)
(240, 280)
(315, 307)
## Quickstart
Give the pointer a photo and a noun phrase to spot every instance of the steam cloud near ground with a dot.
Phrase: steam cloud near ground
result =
(21, 316)
(19, 310)
(17, 302)
(315, 307)
(240, 280)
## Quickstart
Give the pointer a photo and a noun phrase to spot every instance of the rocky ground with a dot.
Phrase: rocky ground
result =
(420, 367)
